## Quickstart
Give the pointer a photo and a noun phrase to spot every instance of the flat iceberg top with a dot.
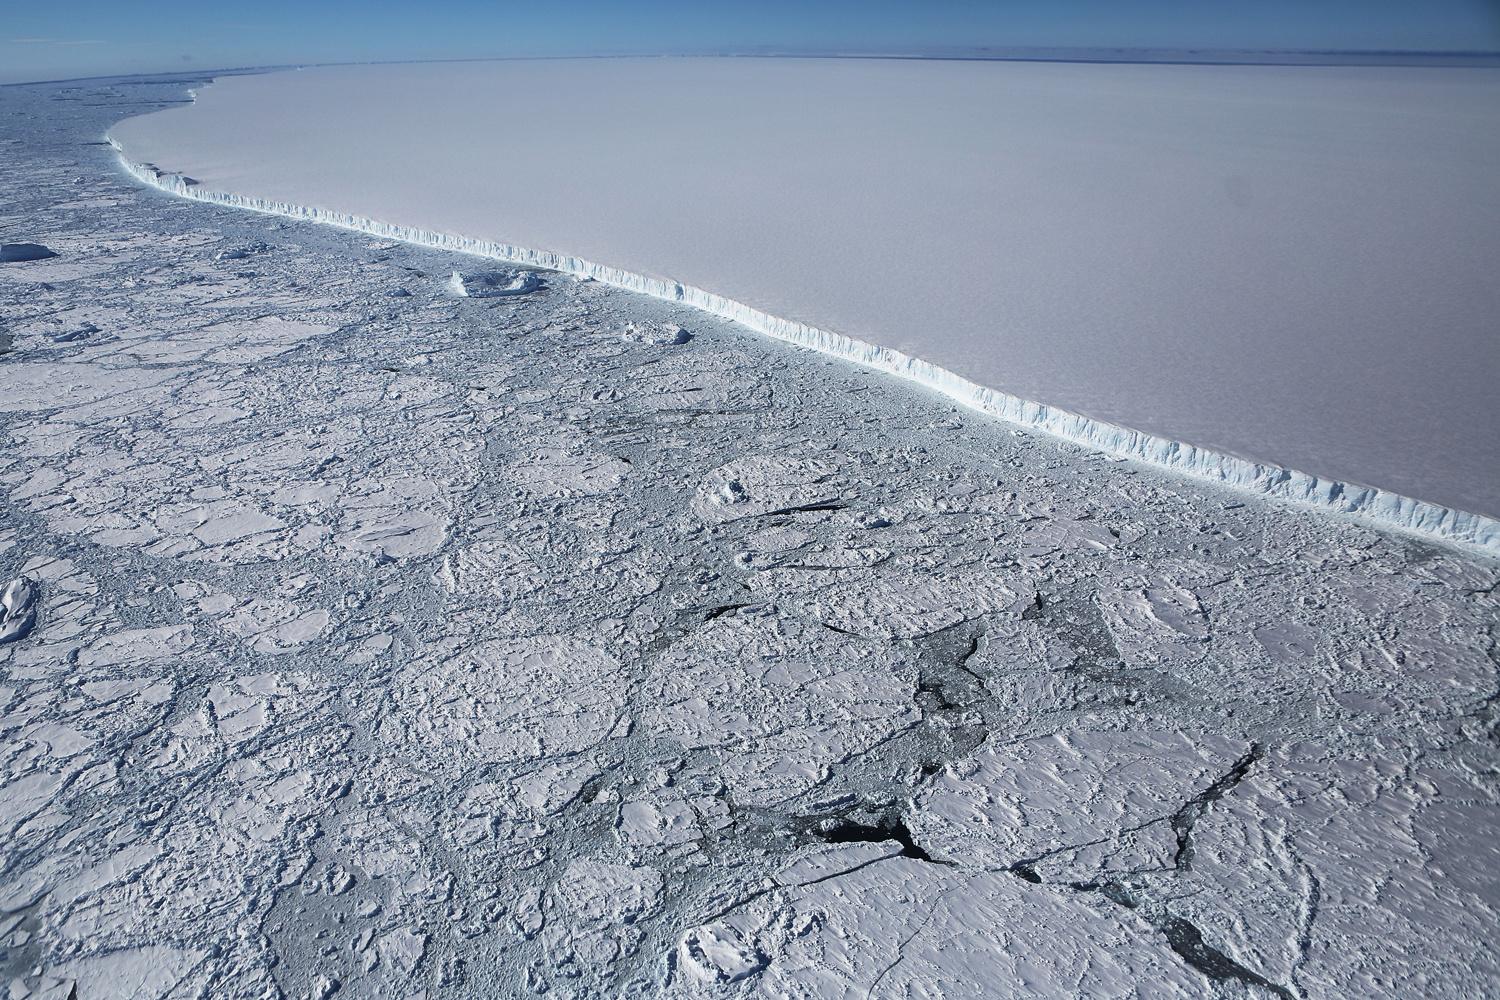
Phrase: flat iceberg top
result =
(1289, 264)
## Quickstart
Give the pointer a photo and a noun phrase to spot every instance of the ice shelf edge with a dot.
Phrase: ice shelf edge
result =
(1365, 503)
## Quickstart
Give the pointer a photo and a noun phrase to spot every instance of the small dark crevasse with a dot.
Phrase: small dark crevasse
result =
(936, 691)
(1193, 810)
(842, 830)
(807, 508)
(724, 609)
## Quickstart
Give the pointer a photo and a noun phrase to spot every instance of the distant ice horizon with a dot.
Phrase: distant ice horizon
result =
(1283, 264)
(1481, 58)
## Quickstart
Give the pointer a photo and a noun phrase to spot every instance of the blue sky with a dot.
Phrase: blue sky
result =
(63, 38)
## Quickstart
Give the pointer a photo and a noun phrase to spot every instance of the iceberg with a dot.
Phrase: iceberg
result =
(1392, 425)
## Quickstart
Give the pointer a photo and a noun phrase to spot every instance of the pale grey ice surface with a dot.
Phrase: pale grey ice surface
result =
(356, 644)
(1288, 264)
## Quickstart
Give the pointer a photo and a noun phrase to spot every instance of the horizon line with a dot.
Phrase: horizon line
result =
(1094, 54)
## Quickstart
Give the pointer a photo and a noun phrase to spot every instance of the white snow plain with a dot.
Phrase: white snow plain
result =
(1291, 265)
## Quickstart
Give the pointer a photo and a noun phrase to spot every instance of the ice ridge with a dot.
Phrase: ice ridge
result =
(1366, 503)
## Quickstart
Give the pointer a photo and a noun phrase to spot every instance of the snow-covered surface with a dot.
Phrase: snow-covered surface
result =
(1286, 264)
(572, 644)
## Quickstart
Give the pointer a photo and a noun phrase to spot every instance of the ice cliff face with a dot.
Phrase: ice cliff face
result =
(1365, 502)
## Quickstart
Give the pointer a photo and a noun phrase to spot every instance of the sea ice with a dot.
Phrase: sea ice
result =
(452, 647)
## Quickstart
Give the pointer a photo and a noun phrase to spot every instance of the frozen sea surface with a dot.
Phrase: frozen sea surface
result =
(569, 643)
(1290, 264)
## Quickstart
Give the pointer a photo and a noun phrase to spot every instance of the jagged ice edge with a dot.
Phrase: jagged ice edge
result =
(1362, 502)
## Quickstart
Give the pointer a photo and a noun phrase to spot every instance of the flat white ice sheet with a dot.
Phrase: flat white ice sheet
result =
(1295, 265)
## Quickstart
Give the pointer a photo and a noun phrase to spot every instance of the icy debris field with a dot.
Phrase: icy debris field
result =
(1292, 265)
(570, 643)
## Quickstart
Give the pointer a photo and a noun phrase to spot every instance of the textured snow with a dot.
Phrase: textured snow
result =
(443, 646)
(1285, 264)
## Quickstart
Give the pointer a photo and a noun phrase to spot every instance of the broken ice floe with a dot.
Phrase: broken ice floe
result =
(894, 604)
(493, 284)
(508, 700)
(1319, 861)
(559, 472)
(874, 923)
(799, 699)
(599, 910)
(1149, 619)
(270, 625)
(766, 484)
(1064, 805)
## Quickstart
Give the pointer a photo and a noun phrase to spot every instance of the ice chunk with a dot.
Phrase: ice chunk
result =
(17, 609)
(655, 334)
(492, 284)
(240, 253)
(77, 333)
